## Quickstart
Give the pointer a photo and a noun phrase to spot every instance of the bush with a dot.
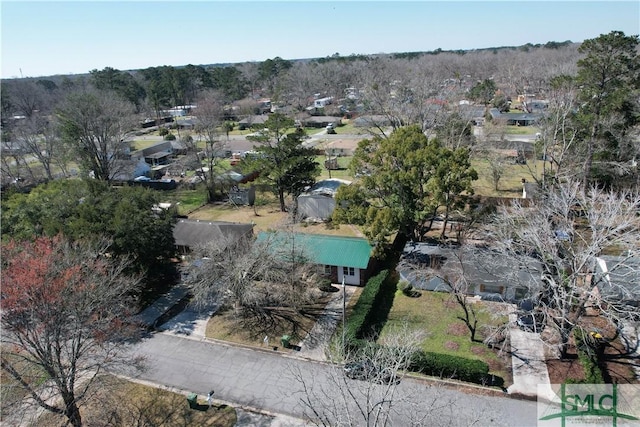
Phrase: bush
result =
(363, 313)
(448, 366)
(405, 287)
(325, 285)
(163, 131)
(169, 137)
(588, 358)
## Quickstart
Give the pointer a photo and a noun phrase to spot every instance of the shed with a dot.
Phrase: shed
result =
(337, 257)
(319, 201)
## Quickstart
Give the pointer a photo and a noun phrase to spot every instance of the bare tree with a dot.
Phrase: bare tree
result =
(209, 122)
(497, 167)
(40, 139)
(567, 231)
(557, 143)
(96, 124)
(380, 393)
(64, 312)
(258, 279)
(27, 97)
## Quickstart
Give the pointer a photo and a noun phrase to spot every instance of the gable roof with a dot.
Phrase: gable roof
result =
(618, 277)
(325, 250)
(480, 266)
(193, 232)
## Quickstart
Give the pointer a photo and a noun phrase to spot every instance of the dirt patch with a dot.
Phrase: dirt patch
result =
(458, 329)
(562, 370)
(450, 345)
(478, 350)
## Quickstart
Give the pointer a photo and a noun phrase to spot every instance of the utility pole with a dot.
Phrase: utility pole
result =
(344, 310)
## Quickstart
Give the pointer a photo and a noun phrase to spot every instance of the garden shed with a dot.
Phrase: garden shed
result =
(319, 201)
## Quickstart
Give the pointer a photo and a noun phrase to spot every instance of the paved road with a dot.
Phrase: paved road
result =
(267, 380)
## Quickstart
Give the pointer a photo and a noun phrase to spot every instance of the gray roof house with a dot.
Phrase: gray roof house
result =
(488, 273)
(191, 233)
(618, 278)
(516, 119)
(249, 121)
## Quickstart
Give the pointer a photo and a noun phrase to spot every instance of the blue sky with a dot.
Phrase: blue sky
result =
(49, 37)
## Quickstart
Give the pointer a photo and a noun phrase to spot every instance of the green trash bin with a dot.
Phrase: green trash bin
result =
(285, 341)
(192, 398)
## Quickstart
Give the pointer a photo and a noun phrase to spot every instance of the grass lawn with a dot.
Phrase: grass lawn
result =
(342, 173)
(125, 403)
(510, 185)
(436, 312)
(522, 130)
(141, 144)
(187, 200)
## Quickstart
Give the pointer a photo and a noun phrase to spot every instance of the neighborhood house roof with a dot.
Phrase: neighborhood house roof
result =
(480, 266)
(324, 250)
(618, 277)
(327, 187)
(191, 233)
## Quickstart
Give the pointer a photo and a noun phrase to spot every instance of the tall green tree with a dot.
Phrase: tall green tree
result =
(128, 216)
(395, 173)
(451, 183)
(483, 91)
(122, 83)
(281, 160)
(609, 81)
(405, 179)
(230, 82)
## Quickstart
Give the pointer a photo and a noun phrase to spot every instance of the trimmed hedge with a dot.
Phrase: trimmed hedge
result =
(363, 313)
(448, 366)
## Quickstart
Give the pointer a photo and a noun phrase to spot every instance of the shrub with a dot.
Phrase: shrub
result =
(448, 366)
(163, 131)
(405, 287)
(169, 137)
(588, 358)
(360, 318)
(325, 285)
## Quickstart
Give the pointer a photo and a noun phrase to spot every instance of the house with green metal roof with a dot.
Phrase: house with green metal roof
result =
(337, 257)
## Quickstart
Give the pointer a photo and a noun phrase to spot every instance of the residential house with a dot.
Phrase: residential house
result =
(487, 273)
(320, 121)
(515, 119)
(192, 233)
(337, 257)
(617, 278)
(250, 121)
